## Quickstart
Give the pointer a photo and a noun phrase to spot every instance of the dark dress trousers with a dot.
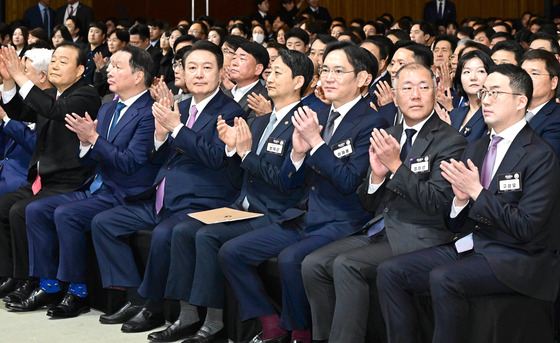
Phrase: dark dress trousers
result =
(194, 275)
(515, 246)
(55, 157)
(332, 211)
(56, 225)
(195, 180)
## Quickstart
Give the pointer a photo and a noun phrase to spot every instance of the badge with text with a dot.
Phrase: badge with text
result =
(509, 182)
(420, 165)
(343, 149)
(275, 146)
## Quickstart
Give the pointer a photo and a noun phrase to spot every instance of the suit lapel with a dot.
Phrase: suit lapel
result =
(286, 122)
(129, 115)
(350, 120)
(209, 113)
(104, 125)
(423, 140)
(543, 113)
(259, 127)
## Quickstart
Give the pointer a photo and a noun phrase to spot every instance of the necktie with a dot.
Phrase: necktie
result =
(267, 132)
(36, 186)
(192, 118)
(529, 115)
(120, 107)
(489, 161)
(327, 135)
(408, 144)
(159, 195)
(440, 10)
(71, 12)
(46, 21)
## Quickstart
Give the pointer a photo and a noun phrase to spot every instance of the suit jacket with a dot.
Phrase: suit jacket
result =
(476, 126)
(517, 231)
(388, 112)
(414, 204)
(333, 208)
(547, 124)
(84, 14)
(193, 162)
(259, 88)
(17, 143)
(156, 57)
(373, 87)
(56, 148)
(431, 11)
(33, 18)
(321, 14)
(313, 102)
(261, 173)
(90, 66)
(121, 158)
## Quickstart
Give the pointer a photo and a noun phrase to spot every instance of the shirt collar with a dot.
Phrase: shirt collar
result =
(201, 105)
(346, 107)
(41, 7)
(132, 100)
(243, 90)
(281, 113)
(511, 132)
(418, 126)
(378, 78)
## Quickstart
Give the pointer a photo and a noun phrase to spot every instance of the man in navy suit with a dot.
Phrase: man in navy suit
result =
(194, 275)
(543, 113)
(506, 208)
(335, 163)
(116, 146)
(74, 8)
(319, 13)
(192, 178)
(40, 15)
(439, 10)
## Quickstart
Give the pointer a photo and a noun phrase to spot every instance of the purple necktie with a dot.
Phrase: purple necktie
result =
(489, 161)
(192, 118)
(159, 195)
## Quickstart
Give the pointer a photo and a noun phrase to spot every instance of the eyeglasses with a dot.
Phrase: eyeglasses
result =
(338, 73)
(177, 64)
(226, 51)
(407, 90)
(537, 74)
(493, 94)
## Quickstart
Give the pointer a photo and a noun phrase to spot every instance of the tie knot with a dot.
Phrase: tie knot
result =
(272, 119)
(409, 133)
(194, 111)
(495, 140)
(120, 106)
(333, 116)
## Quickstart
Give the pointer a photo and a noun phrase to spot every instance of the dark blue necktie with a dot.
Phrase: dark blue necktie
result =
(408, 144)
(120, 107)
(46, 21)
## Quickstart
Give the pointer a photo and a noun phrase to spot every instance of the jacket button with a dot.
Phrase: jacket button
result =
(386, 210)
(168, 167)
(312, 188)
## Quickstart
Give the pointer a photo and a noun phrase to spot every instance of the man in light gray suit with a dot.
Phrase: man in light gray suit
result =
(247, 65)
(406, 192)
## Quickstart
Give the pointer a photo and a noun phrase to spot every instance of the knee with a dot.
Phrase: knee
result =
(161, 238)
(17, 211)
(289, 260)
(230, 254)
(33, 210)
(205, 236)
(313, 265)
(97, 226)
(441, 282)
(386, 271)
(182, 234)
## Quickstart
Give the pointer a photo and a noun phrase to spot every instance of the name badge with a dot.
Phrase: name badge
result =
(420, 164)
(343, 149)
(275, 146)
(509, 182)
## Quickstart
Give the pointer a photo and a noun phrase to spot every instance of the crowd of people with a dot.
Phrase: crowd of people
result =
(386, 158)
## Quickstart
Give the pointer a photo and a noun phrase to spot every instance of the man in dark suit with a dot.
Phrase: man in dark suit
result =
(406, 192)
(54, 166)
(74, 8)
(56, 225)
(335, 164)
(192, 178)
(140, 38)
(506, 207)
(543, 113)
(194, 275)
(247, 65)
(40, 15)
(439, 10)
(382, 48)
(96, 44)
(317, 12)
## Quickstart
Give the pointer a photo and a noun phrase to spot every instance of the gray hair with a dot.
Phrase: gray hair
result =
(40, 58)
(414, 66)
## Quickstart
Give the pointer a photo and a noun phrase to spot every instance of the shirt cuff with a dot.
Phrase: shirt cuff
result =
(6, 119)
(317, 147)
(25, 89)
(372, 188)
(297, 165)
(455, 210)
(157, 144)
(230, 153)
(176, 130)
(84, 149)
(7, 96)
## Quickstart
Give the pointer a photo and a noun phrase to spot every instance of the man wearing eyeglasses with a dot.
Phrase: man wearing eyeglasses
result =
(543, 113)
(332, 162)
(406, 192)
(505, 207)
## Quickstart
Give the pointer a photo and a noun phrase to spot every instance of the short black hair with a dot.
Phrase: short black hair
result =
(185, 38)
(121, 34)
(519, 80)
(206, 46)
(425, 27)
(551, 63)
(141, 60)
(82, 57)
(486, 62)
(448, 38)
(512, 46)
(476, 45)
(384, 44)
(99, 25)
(466, 30)
(422, 53)
(505, 35)
(372, 66)
(298, 33)
(299, 64)
(234, 41)
(504, 24)
(545, 36)
(353, 53)
(353, 38)
(157, 23)
(141, 30)
(487, 30)
(257, 51)
(324, 38)
(400, 34)
(341, 20)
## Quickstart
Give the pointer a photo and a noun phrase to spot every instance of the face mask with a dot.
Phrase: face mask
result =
(258, 38)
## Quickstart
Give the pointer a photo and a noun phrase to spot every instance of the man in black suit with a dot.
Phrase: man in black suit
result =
(406, 192)
(40, 15)
(140, 38)
(317, 12)
(54, 166)
(506, 208)
(74, 8)
(439, 10)
(247, 65)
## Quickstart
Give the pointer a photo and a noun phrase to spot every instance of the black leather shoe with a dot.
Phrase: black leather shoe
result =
(124, 314)
(145, 320)
(70, 306)
(22, 291)
(37, 299)
(7, 286)
(282, 339)
(174, 332)
(202, 336)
